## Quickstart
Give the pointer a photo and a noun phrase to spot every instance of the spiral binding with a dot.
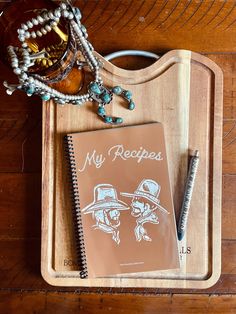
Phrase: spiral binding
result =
(80, 246)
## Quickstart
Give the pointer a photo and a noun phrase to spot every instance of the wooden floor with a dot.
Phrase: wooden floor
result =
(22, 290)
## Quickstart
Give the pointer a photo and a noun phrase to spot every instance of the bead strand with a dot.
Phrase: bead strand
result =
(41, 19)
(23, 58)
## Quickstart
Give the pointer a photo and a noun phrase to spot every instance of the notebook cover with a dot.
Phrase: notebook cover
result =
(126, 207)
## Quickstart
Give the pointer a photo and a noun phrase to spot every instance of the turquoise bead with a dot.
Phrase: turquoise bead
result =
(101, 111)
(118, 120)
(128, 94)
(131, 105)
(108, 119)
(30, 90)
(94, 87)
(106, 98)
(45, 97)
(117, 90)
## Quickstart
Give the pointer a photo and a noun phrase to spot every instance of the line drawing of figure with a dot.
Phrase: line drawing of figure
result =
(144, 204)
(105, 209)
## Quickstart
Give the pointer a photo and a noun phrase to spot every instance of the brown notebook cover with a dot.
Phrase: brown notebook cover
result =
(123, 201)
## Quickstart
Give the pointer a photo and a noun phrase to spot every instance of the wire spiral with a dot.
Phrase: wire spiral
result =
(79, 235)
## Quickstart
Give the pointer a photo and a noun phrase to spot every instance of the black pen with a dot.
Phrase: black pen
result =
(183, 218)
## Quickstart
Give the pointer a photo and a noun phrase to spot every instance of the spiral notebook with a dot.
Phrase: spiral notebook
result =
(125, 221)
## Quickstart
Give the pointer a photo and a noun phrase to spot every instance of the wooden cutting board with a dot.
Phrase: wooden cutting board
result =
(184, 91)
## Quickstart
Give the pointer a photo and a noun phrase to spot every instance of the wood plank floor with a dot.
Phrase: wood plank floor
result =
(52, 302)
(22, 289)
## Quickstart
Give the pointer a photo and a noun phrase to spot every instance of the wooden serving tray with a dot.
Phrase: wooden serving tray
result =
(183, 90)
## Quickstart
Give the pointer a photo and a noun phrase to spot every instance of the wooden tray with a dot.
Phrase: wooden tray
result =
(183, 90)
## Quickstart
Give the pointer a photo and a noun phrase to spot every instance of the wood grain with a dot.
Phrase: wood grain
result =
(20, 205)
(20, 130)
(31, 302)
(228, 257)
(194, 108)
(19, 264)
(208, 26)
(165, 25)
(229, 199)
(229, 147)
(226, 62)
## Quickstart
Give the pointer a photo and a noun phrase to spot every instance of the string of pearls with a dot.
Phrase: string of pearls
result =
(22, 59)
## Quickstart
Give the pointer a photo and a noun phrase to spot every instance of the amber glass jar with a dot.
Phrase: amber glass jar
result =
(57, 69)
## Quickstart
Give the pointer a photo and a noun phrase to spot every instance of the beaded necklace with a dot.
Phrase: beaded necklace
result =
(21, 59)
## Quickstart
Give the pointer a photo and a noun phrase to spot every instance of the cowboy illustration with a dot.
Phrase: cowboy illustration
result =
(105, 209)
(145, 204)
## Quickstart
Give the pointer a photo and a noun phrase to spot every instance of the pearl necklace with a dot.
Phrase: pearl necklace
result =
(22, 59)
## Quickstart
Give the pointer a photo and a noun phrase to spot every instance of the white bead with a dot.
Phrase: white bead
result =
(20, 31)
(51, 15)
(24, 68)
(70, 16)
(14, 58)
(17, 71)
(48, 28)
(39, 33)
(24, 76)
(27, 35)
(21, 38)
(40, 19)
(63, 6)
(43, 31)
(35, 21)
(29, 24)
(57, 13)
(33, 35)
(57, 19)
(53, 23)
(26, 60)
(24, 45)
(14, 64)
(24, 26)
(65, 13)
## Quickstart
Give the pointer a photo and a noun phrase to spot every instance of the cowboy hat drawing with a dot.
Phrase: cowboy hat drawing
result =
(105, 197)
(149, 190)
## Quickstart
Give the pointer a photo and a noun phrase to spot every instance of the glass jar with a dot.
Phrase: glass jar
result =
(58, 67)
